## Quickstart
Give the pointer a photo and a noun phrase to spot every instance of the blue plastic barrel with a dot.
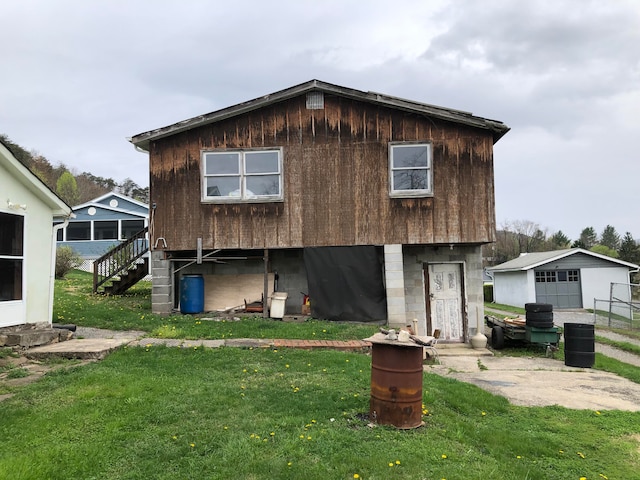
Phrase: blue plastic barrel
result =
(192, 294)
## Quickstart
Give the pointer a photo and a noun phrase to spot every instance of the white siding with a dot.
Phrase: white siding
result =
(596, 283)
(38, 238)
(513, 288)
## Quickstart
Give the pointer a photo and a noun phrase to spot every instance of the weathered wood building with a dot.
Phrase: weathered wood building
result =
(319, 165)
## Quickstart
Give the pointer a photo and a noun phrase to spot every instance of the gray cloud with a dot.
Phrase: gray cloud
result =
(79, 77)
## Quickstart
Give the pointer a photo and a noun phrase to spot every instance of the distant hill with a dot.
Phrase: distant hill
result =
(87, 186)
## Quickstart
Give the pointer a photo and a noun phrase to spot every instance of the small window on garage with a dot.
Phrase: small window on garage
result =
(546, 277)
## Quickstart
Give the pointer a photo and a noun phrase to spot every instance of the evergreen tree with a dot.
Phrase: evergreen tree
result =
(588, 238)
(610, 238)
(629, 250)
(559, 240)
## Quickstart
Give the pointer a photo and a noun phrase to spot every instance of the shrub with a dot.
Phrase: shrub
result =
(66, 260)
(488, 292)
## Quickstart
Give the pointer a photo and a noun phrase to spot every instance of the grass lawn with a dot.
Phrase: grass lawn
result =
(261, 414)
(157, 412)
(75, 303)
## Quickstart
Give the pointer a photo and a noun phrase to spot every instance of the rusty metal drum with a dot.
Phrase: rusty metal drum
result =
(396, 383)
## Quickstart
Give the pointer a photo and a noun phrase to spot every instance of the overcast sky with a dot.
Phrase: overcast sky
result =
(80, 77)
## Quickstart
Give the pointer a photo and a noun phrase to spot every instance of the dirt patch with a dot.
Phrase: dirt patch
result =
(17, 370)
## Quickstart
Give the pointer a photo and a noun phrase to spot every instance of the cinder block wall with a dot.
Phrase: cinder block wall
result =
(288, 263)
(415, 257)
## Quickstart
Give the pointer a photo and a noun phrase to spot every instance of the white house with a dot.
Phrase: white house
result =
(570, 278)
(28, 209)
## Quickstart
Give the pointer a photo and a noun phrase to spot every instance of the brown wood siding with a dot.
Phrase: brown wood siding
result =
(336, 181)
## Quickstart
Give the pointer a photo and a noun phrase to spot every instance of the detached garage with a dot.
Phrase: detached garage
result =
(570, 278)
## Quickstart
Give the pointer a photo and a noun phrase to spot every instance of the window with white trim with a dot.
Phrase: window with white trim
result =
(242, 175)
(11, 256)
(410, 170)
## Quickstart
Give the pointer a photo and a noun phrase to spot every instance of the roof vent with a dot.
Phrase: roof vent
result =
(315, 100)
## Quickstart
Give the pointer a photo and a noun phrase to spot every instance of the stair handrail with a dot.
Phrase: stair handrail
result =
(119, 258)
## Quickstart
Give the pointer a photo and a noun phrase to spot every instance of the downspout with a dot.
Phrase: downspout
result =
(52, 277)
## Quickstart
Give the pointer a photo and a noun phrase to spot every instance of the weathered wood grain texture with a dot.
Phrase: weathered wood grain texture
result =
(336, 180)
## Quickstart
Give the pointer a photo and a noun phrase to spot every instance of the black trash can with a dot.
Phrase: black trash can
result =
(579, 345)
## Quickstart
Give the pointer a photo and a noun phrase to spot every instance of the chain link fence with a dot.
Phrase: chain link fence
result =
(621, 309)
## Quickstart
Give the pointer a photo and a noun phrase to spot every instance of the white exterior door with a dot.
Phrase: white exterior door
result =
(445, 300)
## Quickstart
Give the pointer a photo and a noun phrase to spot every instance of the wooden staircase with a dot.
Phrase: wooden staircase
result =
(123, 266)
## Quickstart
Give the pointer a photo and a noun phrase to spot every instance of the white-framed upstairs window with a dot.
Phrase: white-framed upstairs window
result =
(410, 169)
(242, 175)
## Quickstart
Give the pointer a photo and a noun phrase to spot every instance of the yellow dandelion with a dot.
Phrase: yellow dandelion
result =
(603, 476)
(518, 457)
(286, 366)
(444, 456)
(597, 412)
(581, 455)
(391, 464)
(272, 434)
(192, 445)
(175, 437)
(289, 464)
(355, 475)
(484, 413)
(583, 478)
(397, 462)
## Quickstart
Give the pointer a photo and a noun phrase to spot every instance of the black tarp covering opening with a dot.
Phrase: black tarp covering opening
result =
(345, 283)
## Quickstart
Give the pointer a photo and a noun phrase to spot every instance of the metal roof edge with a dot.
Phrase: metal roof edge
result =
(499, 129)
(563, 254)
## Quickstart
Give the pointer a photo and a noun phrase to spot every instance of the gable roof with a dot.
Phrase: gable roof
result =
(100, 200)
(32, 183)
(497, 128)
(537, 259)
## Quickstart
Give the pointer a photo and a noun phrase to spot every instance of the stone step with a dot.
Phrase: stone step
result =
(34, 338)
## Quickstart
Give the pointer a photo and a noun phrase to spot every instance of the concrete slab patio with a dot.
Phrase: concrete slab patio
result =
(84, 349)
(542, 382)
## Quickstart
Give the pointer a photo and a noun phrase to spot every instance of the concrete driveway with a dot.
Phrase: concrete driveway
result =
(542, 382)
(529, 381)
